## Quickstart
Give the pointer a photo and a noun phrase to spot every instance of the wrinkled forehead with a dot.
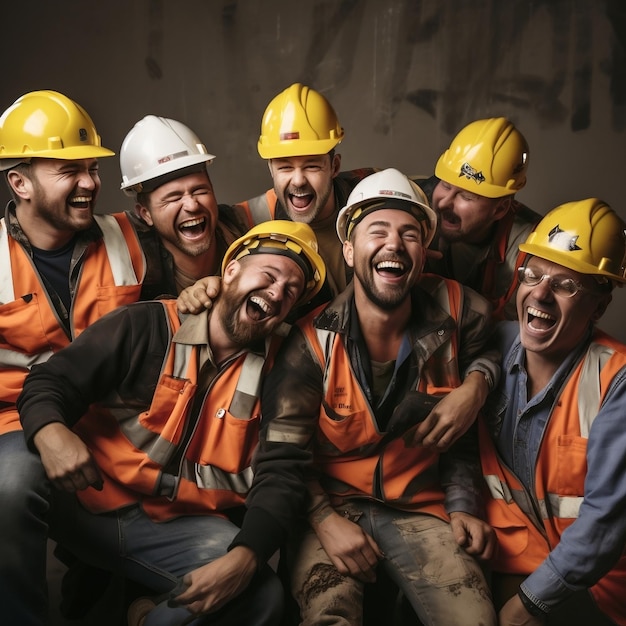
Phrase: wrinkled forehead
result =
(284, 265)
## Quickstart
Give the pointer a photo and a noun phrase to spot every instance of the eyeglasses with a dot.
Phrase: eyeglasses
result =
(560, 285)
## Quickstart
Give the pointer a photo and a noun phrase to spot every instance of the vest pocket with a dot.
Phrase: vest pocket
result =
(225, 441)
(571, 459)
(113, 296)
(167, 413)
(347, 431)
(21, 326)
(512, 539)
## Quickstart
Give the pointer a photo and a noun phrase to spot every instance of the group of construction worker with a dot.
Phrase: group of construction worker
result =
(360, 396)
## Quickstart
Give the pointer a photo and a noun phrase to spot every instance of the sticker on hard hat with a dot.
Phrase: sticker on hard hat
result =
(563, 240)
(82, 133)
(470, 173)
(288, 136)
(392, 192)
(171, 157)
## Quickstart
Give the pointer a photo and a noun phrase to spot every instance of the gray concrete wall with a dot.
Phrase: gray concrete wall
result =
(403, 75)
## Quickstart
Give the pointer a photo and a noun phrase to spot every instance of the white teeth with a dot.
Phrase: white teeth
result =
(192, 223)
(394, 265)
(537, 313)
(81, 199)
(262, 304)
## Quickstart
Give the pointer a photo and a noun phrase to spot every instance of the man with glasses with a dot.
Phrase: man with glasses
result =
(553, 442)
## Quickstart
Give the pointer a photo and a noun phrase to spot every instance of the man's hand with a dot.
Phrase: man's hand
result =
(474, 535)
(454, 414)
(513, 613)
(352, 551)
(66, 459)
(211, 586)
(200, 295)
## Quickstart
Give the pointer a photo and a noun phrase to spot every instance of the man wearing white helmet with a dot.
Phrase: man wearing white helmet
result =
(182, 229)
(349, 389)
(63, 268)
(481, 223)
(553, 442)
(147, 425)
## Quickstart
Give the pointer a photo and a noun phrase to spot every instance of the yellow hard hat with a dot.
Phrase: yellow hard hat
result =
(488, 157)
(292, 239)
(299, 121)
(47, 124)
(586, 236)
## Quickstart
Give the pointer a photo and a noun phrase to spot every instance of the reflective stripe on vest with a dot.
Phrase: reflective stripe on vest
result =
(566, 507)
(260, 209)
(160, 450)
(117, 252)
(31, 330)
(354, 457)
(6, 280)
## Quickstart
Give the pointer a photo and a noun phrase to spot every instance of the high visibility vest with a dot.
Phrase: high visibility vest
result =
(527, 531)
(349, 450)
(30, 329)
(263, 207)
(500, 273)
(184, 455)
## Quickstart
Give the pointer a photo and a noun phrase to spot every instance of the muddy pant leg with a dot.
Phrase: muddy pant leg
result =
(442, 582)
(325, 597)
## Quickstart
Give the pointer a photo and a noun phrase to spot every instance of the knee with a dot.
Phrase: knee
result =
(324, 591)
(24, 487)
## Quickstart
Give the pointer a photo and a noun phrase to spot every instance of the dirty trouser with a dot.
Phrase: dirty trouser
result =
(442, 582)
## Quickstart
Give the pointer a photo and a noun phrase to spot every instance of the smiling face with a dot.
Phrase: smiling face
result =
(387, 255)
(60, 197)
(184, 213)
(465, 216)
(552, 326)
(304, 185)
(258, 292)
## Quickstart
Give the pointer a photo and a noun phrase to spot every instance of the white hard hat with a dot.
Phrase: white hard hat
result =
(156, 149)
(387, 189)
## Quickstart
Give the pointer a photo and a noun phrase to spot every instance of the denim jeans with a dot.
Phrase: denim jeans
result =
(24, 498)
(159, 554)
(442, 582)
(127, 542)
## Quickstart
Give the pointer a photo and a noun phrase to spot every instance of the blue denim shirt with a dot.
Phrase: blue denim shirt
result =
(592, 544)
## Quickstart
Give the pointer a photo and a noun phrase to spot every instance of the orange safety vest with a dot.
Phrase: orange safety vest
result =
(524, 540)
(500, 272)
(263, 207)
(347, 449)
(217, 437)
(30, 330)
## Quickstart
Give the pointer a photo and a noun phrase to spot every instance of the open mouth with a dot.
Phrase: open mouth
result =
(392, 269)
(258, 309)
(193, 228)
(80, 202)
(301, 200)
(448, 218)
(538, 320)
